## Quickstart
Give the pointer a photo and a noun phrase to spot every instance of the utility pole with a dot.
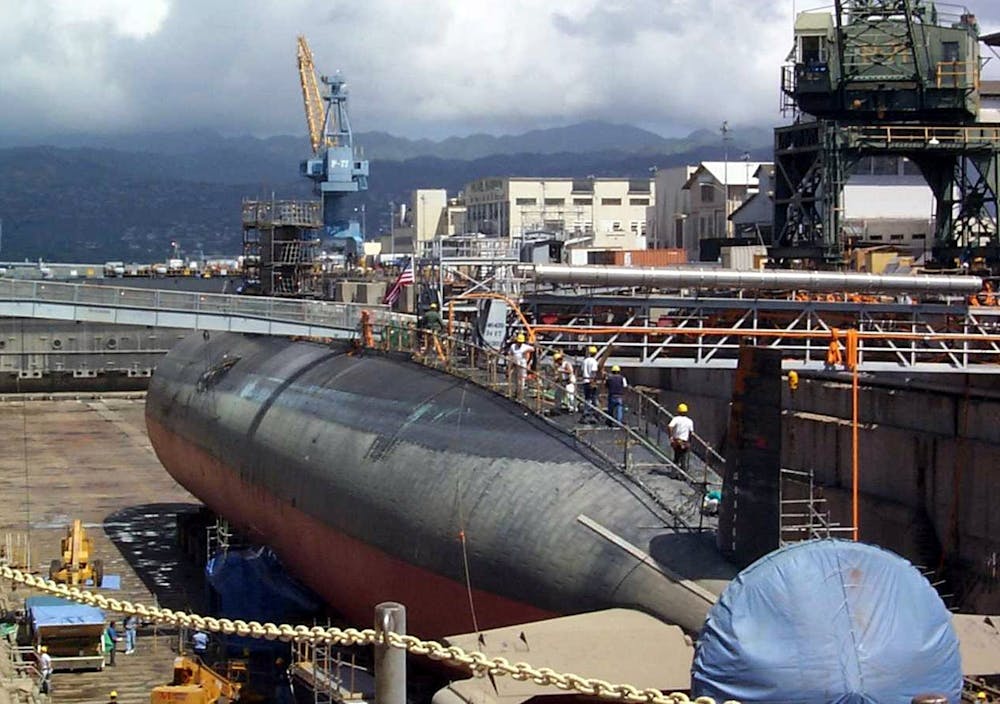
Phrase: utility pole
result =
(392, 229)
(725, 176)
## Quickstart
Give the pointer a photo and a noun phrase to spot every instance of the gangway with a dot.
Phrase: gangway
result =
(637, 448)
(182, 309)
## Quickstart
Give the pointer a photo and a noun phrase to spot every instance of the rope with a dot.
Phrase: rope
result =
(478, 663)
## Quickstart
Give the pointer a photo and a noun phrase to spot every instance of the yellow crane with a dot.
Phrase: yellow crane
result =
(311, 98)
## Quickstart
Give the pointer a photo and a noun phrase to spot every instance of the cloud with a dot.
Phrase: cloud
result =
(430, 68)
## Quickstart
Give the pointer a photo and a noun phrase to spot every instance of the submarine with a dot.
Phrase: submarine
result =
(375, 478)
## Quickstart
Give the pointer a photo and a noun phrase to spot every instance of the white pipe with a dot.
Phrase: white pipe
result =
(829, 281)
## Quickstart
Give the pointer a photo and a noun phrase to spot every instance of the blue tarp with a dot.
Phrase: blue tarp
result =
(828, 621)
(252, 584)
(53, 611)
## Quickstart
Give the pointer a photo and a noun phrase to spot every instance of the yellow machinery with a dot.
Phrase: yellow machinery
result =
(76, 565)
(195, 683)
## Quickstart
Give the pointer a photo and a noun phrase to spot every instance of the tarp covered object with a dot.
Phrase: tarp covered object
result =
(828, 621)
(252, 584)
(52, 611)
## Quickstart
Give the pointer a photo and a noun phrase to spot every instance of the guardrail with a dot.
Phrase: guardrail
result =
(329, 314)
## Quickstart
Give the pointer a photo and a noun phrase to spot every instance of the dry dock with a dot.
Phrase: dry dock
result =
(89, 458)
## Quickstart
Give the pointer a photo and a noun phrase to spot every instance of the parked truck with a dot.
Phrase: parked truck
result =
(71, 632)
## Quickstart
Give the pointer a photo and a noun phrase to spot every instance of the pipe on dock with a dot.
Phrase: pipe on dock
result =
(825, 281)
(390, 662)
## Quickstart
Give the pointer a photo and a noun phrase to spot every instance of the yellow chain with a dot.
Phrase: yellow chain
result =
(477, 663)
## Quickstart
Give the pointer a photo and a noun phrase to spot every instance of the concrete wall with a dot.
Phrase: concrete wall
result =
(929, 462)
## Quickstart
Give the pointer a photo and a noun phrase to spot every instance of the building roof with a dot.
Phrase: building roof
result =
(733, 173)
(990, 88)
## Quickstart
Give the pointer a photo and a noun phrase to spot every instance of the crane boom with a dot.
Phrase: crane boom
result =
(315, 114)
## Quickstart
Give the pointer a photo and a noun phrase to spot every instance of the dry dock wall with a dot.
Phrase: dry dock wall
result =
(929, 461)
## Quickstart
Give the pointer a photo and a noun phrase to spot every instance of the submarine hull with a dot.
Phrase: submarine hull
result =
(375, 478)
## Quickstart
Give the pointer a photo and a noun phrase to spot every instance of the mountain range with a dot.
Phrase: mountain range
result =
(96, 197)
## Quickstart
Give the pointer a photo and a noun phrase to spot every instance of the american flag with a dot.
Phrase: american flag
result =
(405, 278)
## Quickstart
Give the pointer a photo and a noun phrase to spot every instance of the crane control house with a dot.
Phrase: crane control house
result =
(886, 78)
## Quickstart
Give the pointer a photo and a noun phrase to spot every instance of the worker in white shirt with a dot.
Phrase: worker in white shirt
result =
(679, 429)
(588, 377)
(565, 384)
(520, 357)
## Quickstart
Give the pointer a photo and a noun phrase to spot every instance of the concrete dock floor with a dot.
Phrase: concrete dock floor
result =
(89, 458)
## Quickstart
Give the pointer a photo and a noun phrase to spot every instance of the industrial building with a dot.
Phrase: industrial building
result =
(611, 213)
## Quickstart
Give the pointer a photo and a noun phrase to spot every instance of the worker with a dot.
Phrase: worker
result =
(710, 504)
(44, 670)
(679, 429)
(110, 640)
(834, 357)
(282, 684)
(131, 626)
(616, 384)
(565, 384)
(113, 697)
(199, 643)
(431, 323)
(520, 357)
(588, 374)
(981, 697)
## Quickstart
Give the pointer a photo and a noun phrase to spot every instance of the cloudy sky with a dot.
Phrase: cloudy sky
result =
(428, 68)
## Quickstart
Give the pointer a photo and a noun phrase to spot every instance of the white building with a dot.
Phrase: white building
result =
(430, 214)
(612, 212)
(668, 228)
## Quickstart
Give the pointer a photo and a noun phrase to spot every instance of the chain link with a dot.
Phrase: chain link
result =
(479, 664)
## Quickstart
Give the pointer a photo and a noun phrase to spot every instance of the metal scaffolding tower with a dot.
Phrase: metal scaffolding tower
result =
(280, 245)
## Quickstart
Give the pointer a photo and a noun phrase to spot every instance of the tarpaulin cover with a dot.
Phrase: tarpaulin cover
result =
(53, 611)
(828, 621)
(252, 584)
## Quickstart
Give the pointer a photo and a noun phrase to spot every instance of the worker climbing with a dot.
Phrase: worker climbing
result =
(680, 429)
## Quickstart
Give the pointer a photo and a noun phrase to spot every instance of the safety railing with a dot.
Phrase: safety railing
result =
(957, 74)
(655, 419)
(320, 313)
(926, 135)
(627, 448)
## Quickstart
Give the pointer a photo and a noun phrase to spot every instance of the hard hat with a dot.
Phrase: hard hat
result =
(557, 355)
(434, 306)
(682, 408)
(981, 695)
(43, 649)
(520, 337)
(114, 694)
(592, 349)
(616, 368)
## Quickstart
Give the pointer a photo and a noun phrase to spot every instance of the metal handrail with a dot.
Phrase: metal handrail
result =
(699, 446)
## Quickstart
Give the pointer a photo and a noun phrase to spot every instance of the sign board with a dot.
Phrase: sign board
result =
(492, 323)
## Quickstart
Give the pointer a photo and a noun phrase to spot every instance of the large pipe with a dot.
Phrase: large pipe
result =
(828, 281)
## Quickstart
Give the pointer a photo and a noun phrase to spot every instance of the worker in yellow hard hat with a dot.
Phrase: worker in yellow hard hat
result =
(680, 429)
(616, 384)
(431, 324)
(981, 696)
(565, 384)
(520, 358)
(588, 377)
(113, 697)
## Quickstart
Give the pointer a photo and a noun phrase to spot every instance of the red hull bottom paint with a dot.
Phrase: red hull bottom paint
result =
(349, 574)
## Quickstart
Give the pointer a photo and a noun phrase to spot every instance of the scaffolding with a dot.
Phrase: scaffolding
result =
(280, 247)
(803, 512)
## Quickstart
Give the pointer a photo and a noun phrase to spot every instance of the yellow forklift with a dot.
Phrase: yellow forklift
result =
(76, 565)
